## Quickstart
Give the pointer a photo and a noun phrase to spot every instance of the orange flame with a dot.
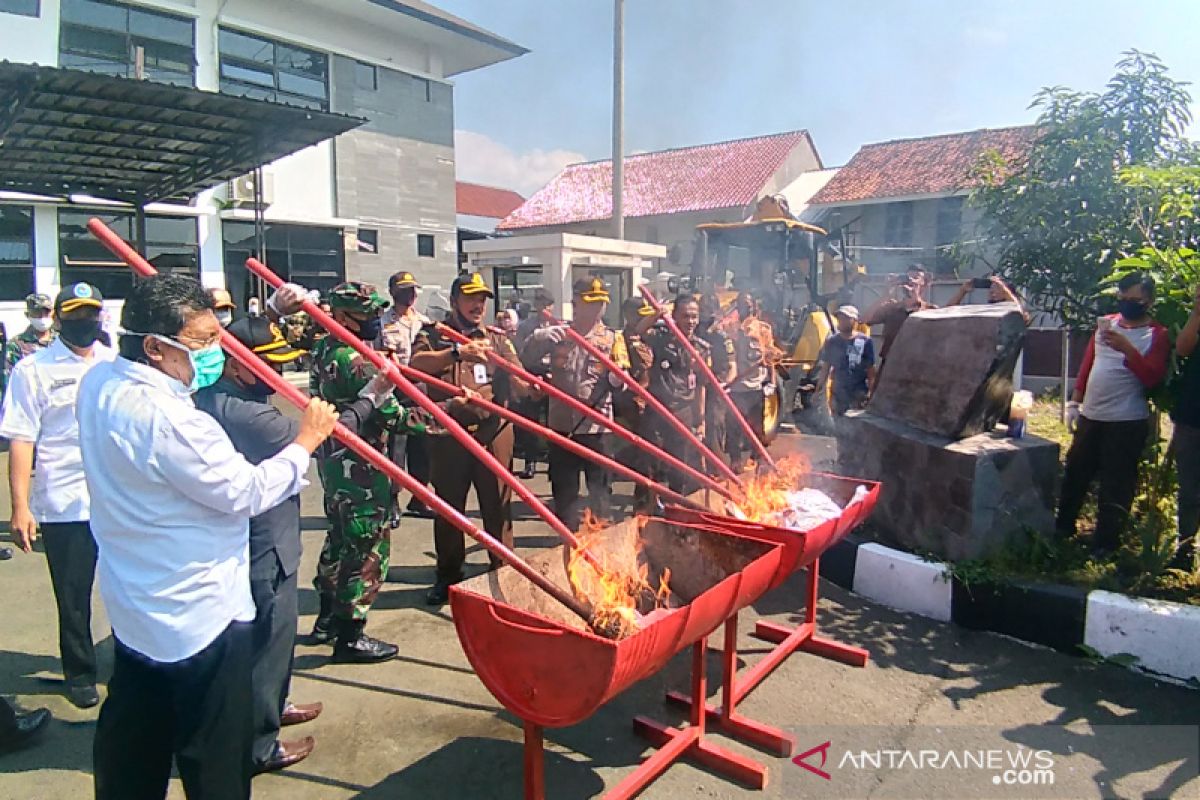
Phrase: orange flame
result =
(766, 495)
(620, 586)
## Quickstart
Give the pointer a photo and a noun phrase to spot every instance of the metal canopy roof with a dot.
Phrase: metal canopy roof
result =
(69, 132)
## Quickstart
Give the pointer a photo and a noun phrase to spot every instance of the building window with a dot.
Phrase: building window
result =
(311, 256)
(366, 76)
(252, 66)
(368, 240)
(949, 220)
(25, 8)
(120, 40)
(16, 252)
(899, 225)
(172, 246)
(425, 245)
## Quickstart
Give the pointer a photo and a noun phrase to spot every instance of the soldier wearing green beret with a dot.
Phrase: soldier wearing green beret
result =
(358, 497)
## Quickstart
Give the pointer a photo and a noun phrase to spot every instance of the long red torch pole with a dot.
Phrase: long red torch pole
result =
(651, 401)
(264, 373)
(425, 402)
(593, 414)
(564, 442)
(712, 379)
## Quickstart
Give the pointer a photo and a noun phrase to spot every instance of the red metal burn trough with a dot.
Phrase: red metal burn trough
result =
(542, 664)
(800, 549)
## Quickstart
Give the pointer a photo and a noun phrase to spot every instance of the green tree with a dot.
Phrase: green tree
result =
(1060, 222)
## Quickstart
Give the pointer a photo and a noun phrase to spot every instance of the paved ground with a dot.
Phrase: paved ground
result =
(424, 726)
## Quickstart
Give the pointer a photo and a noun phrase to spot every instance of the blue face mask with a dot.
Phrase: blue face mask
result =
(207, 363)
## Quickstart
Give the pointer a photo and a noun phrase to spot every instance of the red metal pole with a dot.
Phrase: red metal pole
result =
(421, 399)
(651, 400)
(583, 408)
(712, 379)
(562, 441)
(347, 437)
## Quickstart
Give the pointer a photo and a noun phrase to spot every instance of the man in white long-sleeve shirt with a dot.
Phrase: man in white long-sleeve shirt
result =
(171, 503)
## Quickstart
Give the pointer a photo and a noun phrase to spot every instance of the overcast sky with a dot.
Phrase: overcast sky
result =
(850, 71)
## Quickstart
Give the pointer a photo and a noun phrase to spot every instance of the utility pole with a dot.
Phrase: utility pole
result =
(618, 120)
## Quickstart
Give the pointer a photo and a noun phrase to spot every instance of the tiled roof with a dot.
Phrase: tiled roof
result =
(931, 165)
(477, 200)
(721, 175)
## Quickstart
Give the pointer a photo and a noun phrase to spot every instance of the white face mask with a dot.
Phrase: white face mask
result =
(224, 316)
(40, 324)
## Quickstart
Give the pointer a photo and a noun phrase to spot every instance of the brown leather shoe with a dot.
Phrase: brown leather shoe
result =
(287, 754)
(296, 714)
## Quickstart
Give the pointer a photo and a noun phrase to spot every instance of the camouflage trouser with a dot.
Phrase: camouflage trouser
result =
(354, 559)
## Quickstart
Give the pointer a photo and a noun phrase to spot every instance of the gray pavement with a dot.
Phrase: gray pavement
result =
(423, 726)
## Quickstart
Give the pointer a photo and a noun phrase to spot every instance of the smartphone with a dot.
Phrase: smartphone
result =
(982, 283)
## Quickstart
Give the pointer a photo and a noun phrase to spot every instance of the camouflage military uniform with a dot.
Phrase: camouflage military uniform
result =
(358, 498)
(23, 344)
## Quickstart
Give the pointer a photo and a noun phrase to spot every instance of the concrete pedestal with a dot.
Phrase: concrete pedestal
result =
(957, 499)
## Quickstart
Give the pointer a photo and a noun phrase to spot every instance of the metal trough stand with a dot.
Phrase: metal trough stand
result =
(541, 663)
(800, 549)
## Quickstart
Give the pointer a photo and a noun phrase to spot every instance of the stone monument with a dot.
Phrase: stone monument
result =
(952, 486)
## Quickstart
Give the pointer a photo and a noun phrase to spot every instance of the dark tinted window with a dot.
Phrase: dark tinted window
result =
(26, 8)
(16, 252)
(252, 66)
(365, 76)
(425, 245)
(172, 245)
(312, 256)
(109, 37)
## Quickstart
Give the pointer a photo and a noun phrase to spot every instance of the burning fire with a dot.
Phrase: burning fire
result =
(620, 587)
(779, 498)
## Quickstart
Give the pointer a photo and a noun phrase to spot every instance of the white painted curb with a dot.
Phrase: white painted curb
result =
(1164, 636)
(902, 581)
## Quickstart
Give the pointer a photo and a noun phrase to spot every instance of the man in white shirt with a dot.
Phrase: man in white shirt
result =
(39, 418)
(171, 503)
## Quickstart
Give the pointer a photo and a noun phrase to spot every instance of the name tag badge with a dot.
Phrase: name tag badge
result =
(481, 374)
(691, 381)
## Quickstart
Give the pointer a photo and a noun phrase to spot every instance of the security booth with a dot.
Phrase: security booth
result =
(517, 267)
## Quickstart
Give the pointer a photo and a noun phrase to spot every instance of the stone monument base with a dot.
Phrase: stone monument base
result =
(956, 499)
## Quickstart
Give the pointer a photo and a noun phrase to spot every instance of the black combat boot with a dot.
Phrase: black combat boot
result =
(322, 632)
(355, 647)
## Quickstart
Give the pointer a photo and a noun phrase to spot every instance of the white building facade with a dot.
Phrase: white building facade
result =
(373, 201)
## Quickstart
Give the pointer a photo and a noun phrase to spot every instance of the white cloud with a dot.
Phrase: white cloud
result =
(985, 35)
(480, 159)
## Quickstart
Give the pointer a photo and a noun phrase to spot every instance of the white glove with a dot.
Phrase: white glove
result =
(1073, 414)
(287, 299)
(378, 390)
(614, 380)
(555, 333)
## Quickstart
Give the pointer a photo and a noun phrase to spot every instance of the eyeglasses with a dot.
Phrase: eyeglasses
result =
(201, 343)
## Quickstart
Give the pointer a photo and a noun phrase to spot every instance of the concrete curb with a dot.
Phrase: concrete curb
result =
(1163, 636)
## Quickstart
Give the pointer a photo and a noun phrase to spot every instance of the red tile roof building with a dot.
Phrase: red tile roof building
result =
(477, 200)
(932, 165)
(711, 176)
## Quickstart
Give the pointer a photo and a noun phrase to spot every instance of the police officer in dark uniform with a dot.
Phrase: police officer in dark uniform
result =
(676, 382)
(453, 470)
(715, 424)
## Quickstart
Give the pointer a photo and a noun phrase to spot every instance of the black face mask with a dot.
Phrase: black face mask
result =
(79, 332)
(258, 389)
(368, 329)
(1132, 309)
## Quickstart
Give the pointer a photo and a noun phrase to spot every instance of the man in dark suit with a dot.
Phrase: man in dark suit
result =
(241, 404)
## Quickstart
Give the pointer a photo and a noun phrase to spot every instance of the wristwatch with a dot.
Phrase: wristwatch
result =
(454, 351)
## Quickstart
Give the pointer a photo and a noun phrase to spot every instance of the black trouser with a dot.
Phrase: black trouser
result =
(526, 444)
(1186, 445)
(664, 436)
(71, 556)
(197, 710)
(453, 471)
(276, 603)
(1113, 451)
(416, 457)
(750, 404)
(564, 481)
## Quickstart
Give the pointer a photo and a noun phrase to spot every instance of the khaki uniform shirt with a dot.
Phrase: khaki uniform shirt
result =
(488, 380)
(400, 331)
(579, 374)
